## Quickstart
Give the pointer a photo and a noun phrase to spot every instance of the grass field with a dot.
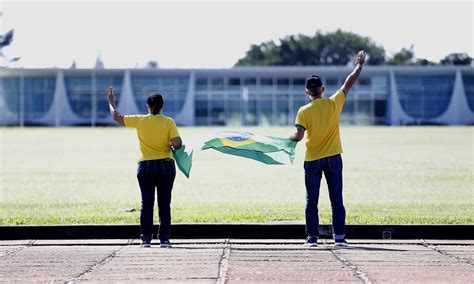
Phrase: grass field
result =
(87, 175)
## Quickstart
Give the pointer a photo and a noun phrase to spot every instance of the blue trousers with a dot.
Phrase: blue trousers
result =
(159, 175)
(332, 169)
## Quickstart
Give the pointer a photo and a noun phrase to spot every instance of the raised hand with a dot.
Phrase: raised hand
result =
(360, 58)
(110, 93)
(352, 78)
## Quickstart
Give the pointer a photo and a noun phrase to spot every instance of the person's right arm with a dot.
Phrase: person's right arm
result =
(300, 127)
(110, 93)
(352, 78)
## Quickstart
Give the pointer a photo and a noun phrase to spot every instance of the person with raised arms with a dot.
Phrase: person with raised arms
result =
(157, 135)
(320, 120)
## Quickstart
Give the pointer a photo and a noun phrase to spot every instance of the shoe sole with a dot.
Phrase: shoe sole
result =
(166, 246)
(310, 245)
(340, 245)
(146, 246)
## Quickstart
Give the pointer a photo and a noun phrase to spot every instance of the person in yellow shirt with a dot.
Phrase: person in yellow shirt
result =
(320, 120)
(156, 169)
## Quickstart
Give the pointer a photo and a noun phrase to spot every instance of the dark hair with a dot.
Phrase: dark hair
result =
(314, 84)
(155, 102)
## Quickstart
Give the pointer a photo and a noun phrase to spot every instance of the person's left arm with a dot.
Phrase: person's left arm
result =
(176, 142)
(113, 108)
(175, 139)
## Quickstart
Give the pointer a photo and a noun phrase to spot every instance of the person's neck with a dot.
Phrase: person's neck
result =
(314, 98)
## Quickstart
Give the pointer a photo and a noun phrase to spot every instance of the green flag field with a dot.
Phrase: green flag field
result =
(392, 175)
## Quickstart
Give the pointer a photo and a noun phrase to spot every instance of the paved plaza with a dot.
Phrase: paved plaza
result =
(233, 260)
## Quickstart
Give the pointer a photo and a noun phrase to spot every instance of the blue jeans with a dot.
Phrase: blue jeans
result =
(157, 174)
(332, 169)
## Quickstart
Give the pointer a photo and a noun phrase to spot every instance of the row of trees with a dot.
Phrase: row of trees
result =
(334, 48)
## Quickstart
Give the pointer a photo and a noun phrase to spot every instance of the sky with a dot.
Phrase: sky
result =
(215, 34)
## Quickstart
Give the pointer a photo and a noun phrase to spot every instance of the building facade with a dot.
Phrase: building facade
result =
(236, 96)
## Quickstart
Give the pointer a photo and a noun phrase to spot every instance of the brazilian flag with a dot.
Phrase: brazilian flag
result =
(265, 149)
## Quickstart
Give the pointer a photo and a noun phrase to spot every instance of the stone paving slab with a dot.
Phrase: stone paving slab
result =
(221, 261)
(51, 263)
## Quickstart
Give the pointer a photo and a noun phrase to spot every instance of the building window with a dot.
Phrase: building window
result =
(266, 81)
(11, 92)
(347, 114)
(173, 89)
(424, 97)
(364, 81)
(283, 84)
(250, 81)
(299, 82)
(39, 93)
(201, 84)
(234, 81)
(283, 81)
(217, 84)
(380, 111)
(332, 81)
(79, 92)
(468, 81)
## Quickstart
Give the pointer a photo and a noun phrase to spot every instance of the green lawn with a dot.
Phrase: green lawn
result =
(87, 175)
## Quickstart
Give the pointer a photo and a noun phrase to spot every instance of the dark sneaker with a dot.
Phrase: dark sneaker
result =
(340, 243)
(165, 244)
(311, 242)
(146, 241)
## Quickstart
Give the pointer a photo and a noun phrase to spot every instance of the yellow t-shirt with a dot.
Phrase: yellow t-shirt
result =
(154, 133)
(320, 118)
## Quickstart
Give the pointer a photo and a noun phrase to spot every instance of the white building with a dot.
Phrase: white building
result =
(236, 96)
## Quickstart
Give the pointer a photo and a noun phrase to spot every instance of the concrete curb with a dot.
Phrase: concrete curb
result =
(236, 231)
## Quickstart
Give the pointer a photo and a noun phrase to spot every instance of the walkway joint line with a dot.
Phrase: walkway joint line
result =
(224, 264)
(99, 263)
(360, 274)
(424, 243)
(30, 243)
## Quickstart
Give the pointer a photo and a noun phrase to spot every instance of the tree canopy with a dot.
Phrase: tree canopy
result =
(456, 59)
(333, 48)
(406, 56)
(337, 48)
